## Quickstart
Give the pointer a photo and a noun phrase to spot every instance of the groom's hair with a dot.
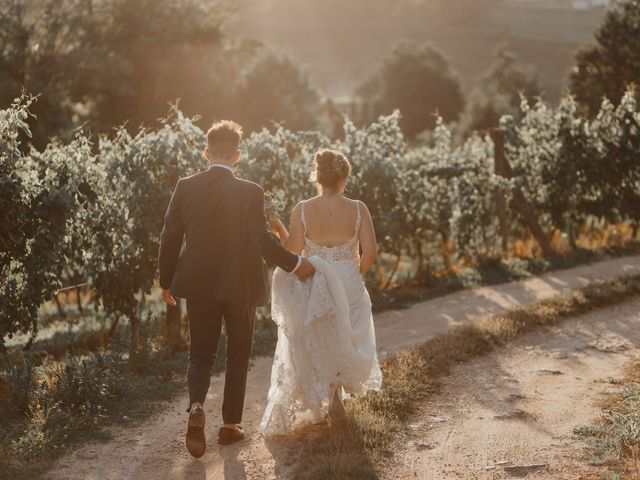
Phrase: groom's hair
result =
(223, 138)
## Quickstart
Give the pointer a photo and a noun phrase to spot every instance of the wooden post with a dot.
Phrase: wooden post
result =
(519, 201)
(61, 311)
(134, 339)
(497, 134)
(79, 300)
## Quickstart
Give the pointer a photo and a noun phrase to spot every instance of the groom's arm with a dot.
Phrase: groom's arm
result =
(170, 240)
(267, 245)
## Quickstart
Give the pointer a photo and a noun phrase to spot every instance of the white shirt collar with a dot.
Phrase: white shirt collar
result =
(219, 165)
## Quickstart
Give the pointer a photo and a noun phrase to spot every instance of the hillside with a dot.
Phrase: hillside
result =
(339, 42)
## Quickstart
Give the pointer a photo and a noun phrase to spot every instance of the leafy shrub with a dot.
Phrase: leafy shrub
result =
(95, 212)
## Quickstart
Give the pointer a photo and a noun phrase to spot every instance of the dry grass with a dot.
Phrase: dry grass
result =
(611, 236)
(614, 440)
(525, 258)
(359, 448)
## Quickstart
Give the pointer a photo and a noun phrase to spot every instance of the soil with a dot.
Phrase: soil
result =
(512, 413)
(155, 449)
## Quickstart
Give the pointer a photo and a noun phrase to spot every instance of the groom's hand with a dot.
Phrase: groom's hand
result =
(168, 298)
(305, 270)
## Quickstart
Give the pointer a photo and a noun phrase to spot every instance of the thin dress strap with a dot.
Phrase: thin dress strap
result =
(304, 220)
(358, 218)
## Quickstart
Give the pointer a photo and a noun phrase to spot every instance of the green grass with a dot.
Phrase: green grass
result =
(49, 405)
(362, 444)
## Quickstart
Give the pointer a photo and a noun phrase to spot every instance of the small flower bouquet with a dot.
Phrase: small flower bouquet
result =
(274, 202)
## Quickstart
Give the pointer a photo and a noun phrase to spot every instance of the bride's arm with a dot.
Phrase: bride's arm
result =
(294, 240)
(277, 228)
(368, 242)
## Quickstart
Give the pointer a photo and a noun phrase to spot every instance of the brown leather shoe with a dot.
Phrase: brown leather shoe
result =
(227, 436)
(196, 443)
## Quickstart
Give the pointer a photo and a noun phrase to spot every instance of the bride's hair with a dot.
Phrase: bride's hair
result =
(331, 168)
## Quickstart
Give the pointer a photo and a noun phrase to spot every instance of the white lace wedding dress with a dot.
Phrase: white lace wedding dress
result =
(325, 336)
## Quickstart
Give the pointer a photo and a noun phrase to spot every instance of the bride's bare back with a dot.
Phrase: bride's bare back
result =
(331, 220)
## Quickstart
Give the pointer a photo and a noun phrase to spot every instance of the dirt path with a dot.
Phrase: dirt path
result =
(518, 406)
(155, 450)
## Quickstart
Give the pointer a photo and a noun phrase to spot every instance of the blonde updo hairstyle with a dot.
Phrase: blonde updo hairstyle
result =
(331, 168)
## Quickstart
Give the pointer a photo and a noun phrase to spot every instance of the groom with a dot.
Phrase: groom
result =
(212, 247)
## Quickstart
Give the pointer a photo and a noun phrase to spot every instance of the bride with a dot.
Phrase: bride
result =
(326, 340)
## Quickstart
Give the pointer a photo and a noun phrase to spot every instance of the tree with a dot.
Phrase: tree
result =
(498, 92)
(606, 68)
(417, 80)
(107, 62)
(114, 62)
(273, 88)
(40, 42)
(151, 53)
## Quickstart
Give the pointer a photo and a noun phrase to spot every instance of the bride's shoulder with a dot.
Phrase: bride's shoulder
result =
(362, 207)
(296, 212)
(353, 201)
(308, 201)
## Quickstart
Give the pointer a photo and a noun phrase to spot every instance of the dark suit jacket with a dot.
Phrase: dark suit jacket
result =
(215, 238)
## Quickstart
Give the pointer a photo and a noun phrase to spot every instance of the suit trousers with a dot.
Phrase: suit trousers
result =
(205, 326)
